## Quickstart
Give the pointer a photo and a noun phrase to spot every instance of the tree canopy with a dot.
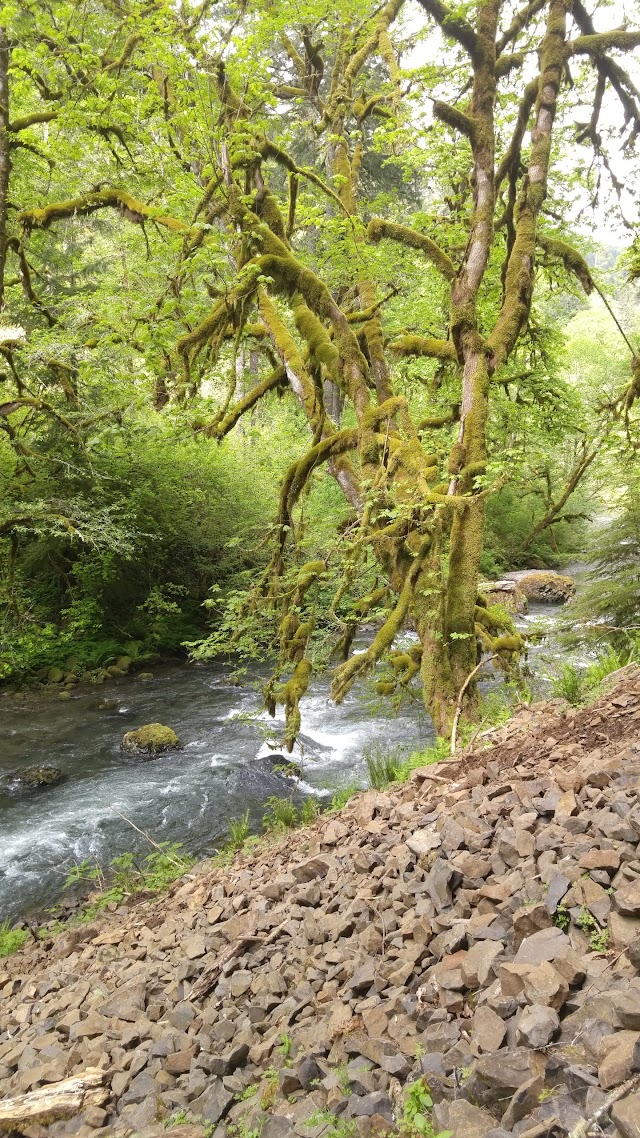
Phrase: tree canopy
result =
(368, 210)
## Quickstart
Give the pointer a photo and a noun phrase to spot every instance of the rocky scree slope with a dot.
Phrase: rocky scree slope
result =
(478, 927)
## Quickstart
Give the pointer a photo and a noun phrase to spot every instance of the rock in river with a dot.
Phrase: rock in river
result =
(151, 739)
(543, 585)
(39, 776)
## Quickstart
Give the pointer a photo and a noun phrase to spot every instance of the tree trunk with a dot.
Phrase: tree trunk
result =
(5, 157)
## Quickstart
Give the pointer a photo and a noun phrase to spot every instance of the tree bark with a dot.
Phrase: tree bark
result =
(5, 155)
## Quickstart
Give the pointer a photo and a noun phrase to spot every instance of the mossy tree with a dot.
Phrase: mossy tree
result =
(310, 200)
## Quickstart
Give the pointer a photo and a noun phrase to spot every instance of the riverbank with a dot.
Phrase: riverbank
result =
(475, 928)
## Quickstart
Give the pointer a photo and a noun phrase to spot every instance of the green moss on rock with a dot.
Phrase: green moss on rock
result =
(40, 776)
(151, 739)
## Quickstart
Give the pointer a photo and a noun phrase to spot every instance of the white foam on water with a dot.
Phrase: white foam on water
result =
(316, 791)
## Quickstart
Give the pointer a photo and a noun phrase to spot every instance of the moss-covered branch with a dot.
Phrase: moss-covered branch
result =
(521, 20)
(287, 349)
(508, 63)
(128, 49)
(454, 118)
(218, 428)
(600, 43)
(423, 346)
(130, 208)
(511, 157)
(360, 664)
(378, 228)
(32, 119)
(434, 422)
(452, 25)
(519, 275)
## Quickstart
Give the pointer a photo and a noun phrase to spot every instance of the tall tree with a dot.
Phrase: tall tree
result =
(374, 232)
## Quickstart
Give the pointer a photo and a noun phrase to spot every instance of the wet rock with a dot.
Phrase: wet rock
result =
(152, 739)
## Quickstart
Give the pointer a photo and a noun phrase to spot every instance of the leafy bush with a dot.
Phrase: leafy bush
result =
(416, 1116)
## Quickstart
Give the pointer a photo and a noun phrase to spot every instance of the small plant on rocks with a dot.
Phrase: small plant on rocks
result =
(309, 811)
(280, 814)
(416, 1116)
(127, 875)
(238, 831)
(561, 918)
(598, 937)
(382, 767)
(569, 685)
(337, 1127)
(342, 796)
(11, 939)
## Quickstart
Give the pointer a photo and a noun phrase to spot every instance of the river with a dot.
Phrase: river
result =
(187, 796)
(225, 767)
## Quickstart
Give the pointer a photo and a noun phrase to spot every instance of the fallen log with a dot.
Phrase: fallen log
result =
(54, 1101)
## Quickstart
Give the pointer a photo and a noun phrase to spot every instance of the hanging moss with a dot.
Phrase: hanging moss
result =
(572, 260)
(290, 695)
(385, 687)
(321, 348)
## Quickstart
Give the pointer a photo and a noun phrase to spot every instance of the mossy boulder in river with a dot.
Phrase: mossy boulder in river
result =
(151, 739)
(39, 776)
(543, 585)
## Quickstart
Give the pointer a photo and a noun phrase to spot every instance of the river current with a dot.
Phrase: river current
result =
(225, 768)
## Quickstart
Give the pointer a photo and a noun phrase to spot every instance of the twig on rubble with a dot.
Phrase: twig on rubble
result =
(541, 1128)
(583, 1127)
(208, 979)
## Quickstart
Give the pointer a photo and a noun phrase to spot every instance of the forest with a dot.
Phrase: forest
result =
(313, 318)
